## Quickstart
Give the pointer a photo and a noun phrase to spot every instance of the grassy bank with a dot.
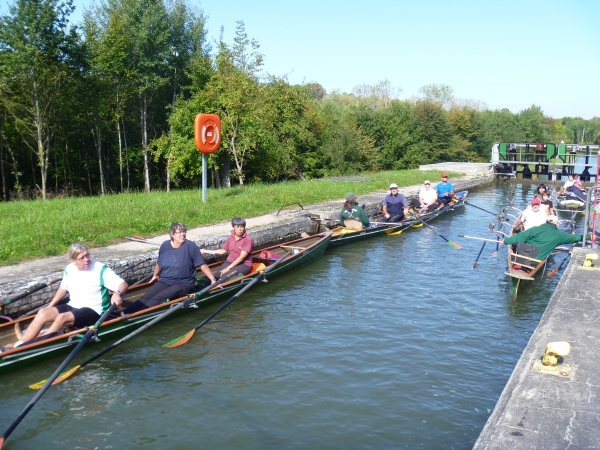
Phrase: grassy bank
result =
(34, 229)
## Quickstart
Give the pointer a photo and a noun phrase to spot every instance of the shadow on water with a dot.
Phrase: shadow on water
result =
(396, 342)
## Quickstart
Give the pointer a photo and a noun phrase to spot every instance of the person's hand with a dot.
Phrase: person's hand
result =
(225, 270)
(116, 299)
(154, 278)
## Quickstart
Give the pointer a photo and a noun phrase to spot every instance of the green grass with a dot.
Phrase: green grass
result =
(34, 229)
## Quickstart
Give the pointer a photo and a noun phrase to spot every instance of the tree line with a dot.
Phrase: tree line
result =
(108, 105)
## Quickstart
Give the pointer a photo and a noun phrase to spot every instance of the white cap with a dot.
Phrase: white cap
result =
(426, 182)
(393, 185)
(552, 219)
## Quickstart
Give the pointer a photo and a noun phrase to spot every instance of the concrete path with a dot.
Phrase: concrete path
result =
(544, 411)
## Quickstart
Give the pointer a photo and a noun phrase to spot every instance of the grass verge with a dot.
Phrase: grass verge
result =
(34, 229)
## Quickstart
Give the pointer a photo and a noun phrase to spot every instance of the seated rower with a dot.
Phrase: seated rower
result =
(351, 210)
(395, 205)
(87, 281)
(546, 236)
(175, 271)
(239, 246)
(428, 198)
(576, 192)
(445, 191)
(532, 216)
(568, 183)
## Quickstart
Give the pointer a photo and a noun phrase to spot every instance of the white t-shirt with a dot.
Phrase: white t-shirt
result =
(89, 288)
(429, 196)
(531, 218)
(568, 183)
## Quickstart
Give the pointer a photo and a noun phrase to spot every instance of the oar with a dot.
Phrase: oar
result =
(63, 376)
(555, 271)
(491, 227)
(142, 240)
(56, 373)
(484, 210)
(476, 238)
(450, 243)
(29, 291)
(186, 337)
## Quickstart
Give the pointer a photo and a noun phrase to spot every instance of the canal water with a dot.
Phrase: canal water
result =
(396, 342)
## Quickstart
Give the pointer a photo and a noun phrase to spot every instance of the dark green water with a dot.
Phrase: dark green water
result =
(392, 343)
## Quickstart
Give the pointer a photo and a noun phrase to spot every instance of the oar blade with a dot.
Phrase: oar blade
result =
(391, 232)
(494, 254)
(454, 244)
(180, 340)
(62, 377)
(552, 273)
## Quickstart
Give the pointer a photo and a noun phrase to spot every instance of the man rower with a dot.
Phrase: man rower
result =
(532, 216)
(428, 198)
(546, 237)
(445, 190)
(352, 210)
(88, 282)
(395, 205)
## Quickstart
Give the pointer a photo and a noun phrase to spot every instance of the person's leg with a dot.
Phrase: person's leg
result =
(43, 316)
(243, 269)
(141, 303)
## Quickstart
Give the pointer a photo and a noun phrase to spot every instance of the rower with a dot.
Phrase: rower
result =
(352, 210)
(532, 216)
(395, 205)
(445, 190)
(546, 236)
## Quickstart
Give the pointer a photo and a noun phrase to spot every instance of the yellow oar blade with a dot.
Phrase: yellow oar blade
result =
(63, 376)
(418, 225)
(391, 232)
(180, 340)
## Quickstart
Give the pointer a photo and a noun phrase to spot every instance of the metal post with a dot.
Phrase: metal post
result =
(204, 175)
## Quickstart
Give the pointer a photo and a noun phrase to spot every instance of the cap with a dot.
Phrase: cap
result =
(552, 219)
(350, 196)
(426, 182)
(536, 201)
(393, 185)
(444, 175)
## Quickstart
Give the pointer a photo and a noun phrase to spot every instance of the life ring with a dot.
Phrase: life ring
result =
(207, 131)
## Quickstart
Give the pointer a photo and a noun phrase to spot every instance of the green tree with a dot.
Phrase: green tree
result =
(36, 50)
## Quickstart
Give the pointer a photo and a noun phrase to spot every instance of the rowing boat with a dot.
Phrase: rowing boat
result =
(300, 251)
(352, 233)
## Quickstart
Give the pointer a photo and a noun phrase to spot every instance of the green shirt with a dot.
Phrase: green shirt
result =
(547, 237)
(355, 213)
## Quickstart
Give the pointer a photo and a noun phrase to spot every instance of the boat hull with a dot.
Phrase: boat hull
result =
(300, 252)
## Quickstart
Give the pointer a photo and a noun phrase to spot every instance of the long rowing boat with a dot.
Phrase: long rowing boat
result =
(349, 234)
(300, 251)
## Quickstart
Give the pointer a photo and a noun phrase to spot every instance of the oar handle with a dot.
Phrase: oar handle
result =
(57, 372)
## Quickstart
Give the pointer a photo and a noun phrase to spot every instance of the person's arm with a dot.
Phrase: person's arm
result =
(342, 218)
(156, 275)
(206, 271)
(117, 297)
(385, 211)
(60, 293)
(239, 260)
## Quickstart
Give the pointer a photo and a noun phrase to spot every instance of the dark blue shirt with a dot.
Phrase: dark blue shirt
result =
(178, 265)
(395, 203)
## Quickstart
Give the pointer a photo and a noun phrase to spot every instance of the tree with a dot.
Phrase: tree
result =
(35, 57)
(438, 93)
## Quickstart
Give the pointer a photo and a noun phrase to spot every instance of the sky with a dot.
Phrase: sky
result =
(509, 54)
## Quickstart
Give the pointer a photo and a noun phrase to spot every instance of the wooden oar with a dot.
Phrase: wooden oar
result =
(184, 303)
(186, 337)
(450, 243)
(57, 372)
(484, 210)
(476, 238)
(491, 227)
(143, 240)
(29, 291)
(555, 271)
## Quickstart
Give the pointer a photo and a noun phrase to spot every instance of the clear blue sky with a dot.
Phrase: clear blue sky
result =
(509, 54)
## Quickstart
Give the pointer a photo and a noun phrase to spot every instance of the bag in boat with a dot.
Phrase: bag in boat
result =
(266, 254)
(531, 251)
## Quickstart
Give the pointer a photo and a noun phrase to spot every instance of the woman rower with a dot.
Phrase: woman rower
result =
(175, 270)
(239, 246)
